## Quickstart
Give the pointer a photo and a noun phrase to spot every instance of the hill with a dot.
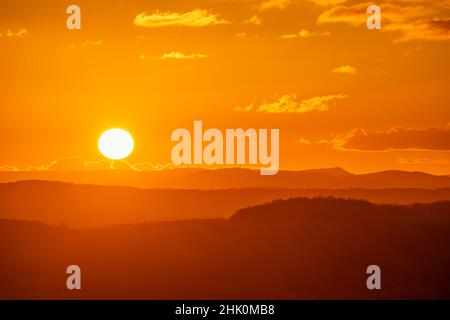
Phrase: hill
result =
(185, 178)
(90, 205)
(291, 249)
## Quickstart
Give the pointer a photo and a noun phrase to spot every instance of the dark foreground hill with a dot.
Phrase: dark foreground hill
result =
(293, 249)
(93, 206)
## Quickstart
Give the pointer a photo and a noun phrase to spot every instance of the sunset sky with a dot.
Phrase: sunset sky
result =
(341, 95)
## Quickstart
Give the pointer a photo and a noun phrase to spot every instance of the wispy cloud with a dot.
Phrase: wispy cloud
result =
(274, 4)
(15, 34)
(75, 163)
(304, 34)
(194, 18)
(255, 19)
(149, 166)
(182, 56)
(327, 3)
(303, 141)
(356, 14)
(176, 55)
(414, 20)
(289, 104)
(437, 139)
(347, 69)
(87, 43)
(431, 30)
(289, 36)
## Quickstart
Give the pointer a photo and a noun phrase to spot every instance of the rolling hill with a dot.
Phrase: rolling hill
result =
(289, 249)
(185, 178)
(80, 205)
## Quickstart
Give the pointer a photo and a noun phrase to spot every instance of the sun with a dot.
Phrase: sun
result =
(116, 144)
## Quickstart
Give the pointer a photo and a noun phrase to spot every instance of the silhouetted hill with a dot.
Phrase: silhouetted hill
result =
(279, 211)
(290, 249)
(90, 205)
(334, 178)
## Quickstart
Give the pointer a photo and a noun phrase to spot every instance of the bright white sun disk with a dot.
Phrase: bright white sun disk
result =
(116, 144)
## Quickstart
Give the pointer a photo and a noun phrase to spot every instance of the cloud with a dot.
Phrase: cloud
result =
(288, 36)
(303, 141)
(308, 34)
(356, 14)
(87, 43)
(435, 139)
(304, 34)
(255, 19)
(195, 18)
(73, 164)
(327, 3)
(182, 56)
(345, 70)
(65, 164)
(250, 107)
(288, 104)
(176, 55)
(419, 22)
(148, 166)
(145, 57)
(122, 165)
(274, 4)
(80, 164)
(430, 30)
(18, 34)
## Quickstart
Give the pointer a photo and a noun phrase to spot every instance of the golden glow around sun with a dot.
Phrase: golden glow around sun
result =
(116, 144)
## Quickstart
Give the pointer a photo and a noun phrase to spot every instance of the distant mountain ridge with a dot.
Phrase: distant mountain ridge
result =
(189, 178)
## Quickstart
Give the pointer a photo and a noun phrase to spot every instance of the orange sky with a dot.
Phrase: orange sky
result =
(342, 95)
